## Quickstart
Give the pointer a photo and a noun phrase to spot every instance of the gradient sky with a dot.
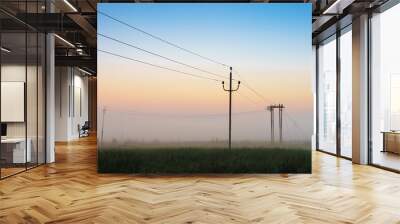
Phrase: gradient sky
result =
(268, 44)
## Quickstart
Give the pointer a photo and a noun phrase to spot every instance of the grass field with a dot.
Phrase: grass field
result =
(204, 160)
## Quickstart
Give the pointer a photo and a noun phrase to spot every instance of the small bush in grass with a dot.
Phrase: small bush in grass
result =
(204, 160)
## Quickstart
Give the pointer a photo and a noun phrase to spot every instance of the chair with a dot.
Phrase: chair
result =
(84, 130)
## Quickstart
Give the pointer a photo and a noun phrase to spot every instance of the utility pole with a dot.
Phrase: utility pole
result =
(280, 107)
(102, 126)
(230, 90)
(271, 109)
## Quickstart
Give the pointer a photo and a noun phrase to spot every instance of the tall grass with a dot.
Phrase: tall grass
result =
(204, 160)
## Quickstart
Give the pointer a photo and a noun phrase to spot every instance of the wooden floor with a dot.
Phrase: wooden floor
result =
(387, 159)
(5, 172)
(70, 191)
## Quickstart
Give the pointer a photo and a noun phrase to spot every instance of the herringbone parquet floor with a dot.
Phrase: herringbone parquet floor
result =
(71, 191)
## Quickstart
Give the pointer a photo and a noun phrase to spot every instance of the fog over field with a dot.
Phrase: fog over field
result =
(252, 128)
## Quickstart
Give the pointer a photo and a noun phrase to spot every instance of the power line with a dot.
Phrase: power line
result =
(249, 99)
(247, 85)
(158, 55)
(158, 66)
(163, 40)
(288, 115)
(294, 122)
(294, 133)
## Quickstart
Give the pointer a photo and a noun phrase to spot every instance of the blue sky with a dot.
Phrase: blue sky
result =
(269, 44)
(280, 34)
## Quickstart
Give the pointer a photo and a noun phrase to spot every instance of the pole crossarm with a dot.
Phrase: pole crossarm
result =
(275, 106)
(231, 90)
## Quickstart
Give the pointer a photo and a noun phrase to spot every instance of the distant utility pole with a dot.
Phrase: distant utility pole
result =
(102, 126)
(280, 122)
(271, 109)
(230, 90)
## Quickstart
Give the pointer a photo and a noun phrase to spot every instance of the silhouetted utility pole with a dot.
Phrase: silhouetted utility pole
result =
(280, 122)
(230, 90)
(102, 126)
(271, 109)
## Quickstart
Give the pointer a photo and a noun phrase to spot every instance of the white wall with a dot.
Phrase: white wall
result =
(11, 73)
(79, 117)
(62, 82)
(33, 127)
(70, 83)
(14, 73)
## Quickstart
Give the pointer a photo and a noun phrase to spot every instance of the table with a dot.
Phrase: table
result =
(391, 141)
(16, 147)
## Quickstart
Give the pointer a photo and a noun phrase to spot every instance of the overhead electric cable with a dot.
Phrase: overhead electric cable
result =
(247, 85)
(294, 122)
(162, 40)
(294, 132)
(158, 55)
(249, 99)
(158, 66)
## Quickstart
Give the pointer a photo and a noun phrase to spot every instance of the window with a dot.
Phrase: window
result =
(327, 96)
(346, 92)
(385, 89)
(395, 102)
(22, 94)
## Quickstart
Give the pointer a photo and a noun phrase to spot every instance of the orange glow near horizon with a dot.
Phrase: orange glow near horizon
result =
(155, 91)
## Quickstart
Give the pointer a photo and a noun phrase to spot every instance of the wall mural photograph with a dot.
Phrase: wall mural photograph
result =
(204, 88)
